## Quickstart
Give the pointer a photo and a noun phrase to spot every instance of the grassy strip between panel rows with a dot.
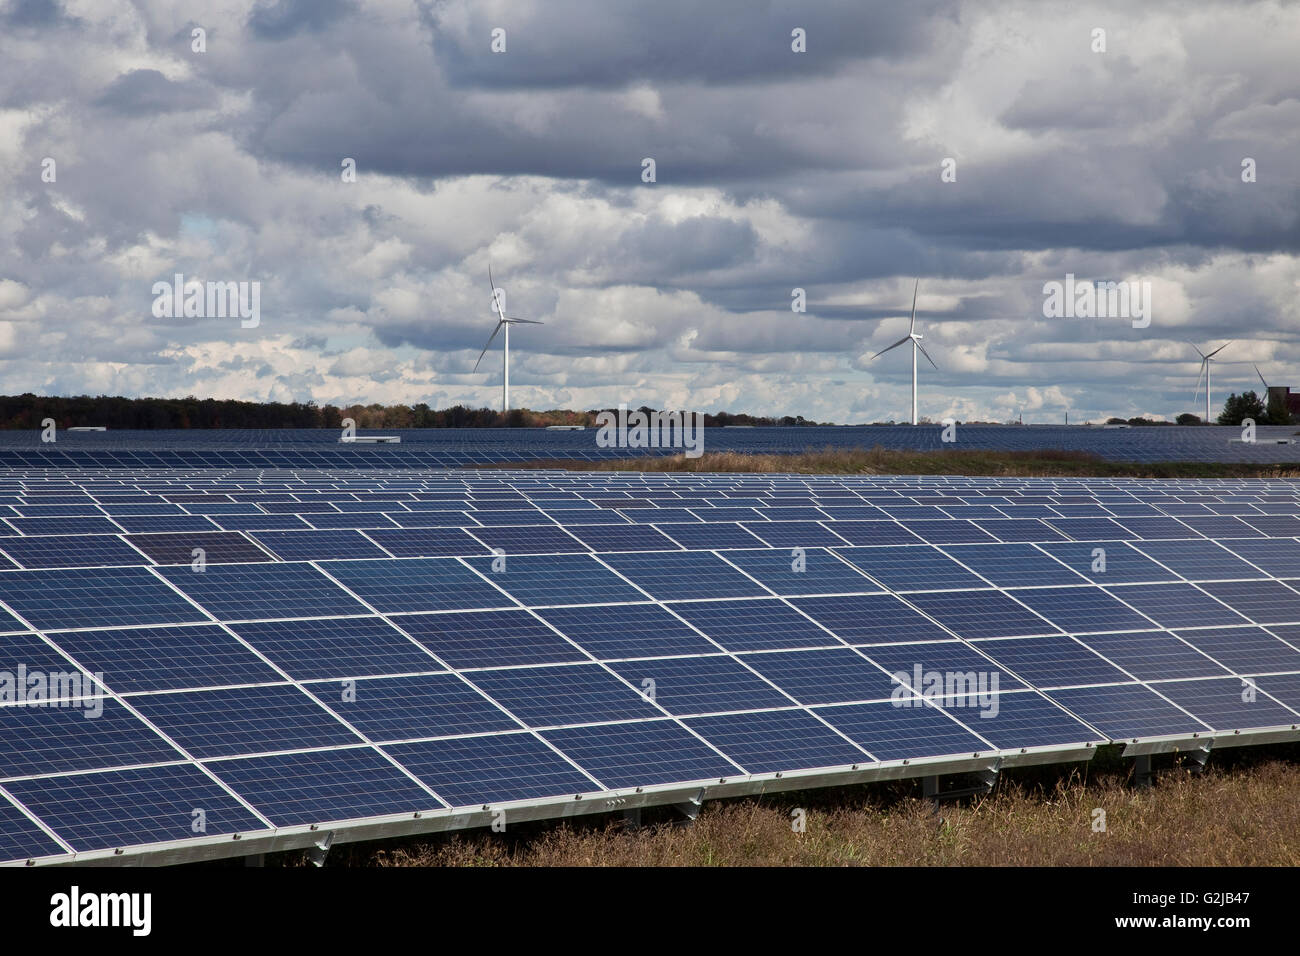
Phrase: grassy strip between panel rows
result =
(884, 461)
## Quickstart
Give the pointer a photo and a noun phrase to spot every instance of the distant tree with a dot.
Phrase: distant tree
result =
(1237, 407)
(1116, 421)
(1187, 418)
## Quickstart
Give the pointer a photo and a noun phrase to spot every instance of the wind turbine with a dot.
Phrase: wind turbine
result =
(1205, 371)
(503, 321)
(914, 337)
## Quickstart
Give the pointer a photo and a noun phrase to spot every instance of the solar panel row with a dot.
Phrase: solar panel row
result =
(545, 636)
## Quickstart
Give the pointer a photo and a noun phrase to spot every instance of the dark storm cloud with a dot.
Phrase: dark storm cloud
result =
(280, 19)
(148, 92)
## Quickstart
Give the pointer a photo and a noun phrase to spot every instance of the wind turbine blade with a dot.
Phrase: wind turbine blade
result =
(1198, 351)
(914, 288)
(926, 354)
(489, 342)
(512, 318)
(1219, 349)
(906, 338)
(1204, 366)
(1261, 376)
(496, 305)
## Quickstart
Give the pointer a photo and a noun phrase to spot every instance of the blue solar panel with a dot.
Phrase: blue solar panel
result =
(875, 533)
(489, 638)
(318, 545)
(245, 720)
(562, 694)
(416, 584)
(1246, 650)
(92, 598)
(49, 526)
(336, 647)
(917, 666)
(1127, 711)
(641, 754)
(700, 685)
(1019, 720)
(494, 769)
(1150, 655)
(754, 625)
(1082, 610)
(1176, 605)
(871, 619)
(1052, 661)
(828, 675)
(890, 732)
(682, 575)
(801, 571)
(217, 546)
(323, 786)
(530, 540)
(774, 741)
(426, 542)
(259, 522)
(912, 569)
(710, 535)
(71, 551)
(556, 579)
(84, 735)
(350, 520)
(123, 808)
(1014, 565)
(1228, 703)
(406, 708)
(1198, 560)
(1019, 530)
(1264, 602)
(20, 837)
(637, 537)
(259, 591)
(794, 534)
(166, 658)
(1280, 558)
(980, 614)
(1109, 562)
(626, 631)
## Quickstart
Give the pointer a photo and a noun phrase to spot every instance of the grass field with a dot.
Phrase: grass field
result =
(1242, 810)
(884, 461)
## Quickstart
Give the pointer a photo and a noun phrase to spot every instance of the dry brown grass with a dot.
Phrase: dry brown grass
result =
(885, 461)
(1247, 816)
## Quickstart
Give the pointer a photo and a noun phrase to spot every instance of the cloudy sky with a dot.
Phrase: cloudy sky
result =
(774, 170)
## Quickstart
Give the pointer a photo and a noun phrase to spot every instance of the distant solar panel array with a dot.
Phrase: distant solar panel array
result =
(212, 663)
(467, 447)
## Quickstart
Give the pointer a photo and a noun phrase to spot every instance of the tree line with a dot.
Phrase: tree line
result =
(114, 412)
(1267, 410)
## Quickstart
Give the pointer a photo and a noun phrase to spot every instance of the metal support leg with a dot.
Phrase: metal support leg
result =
(321, 850)
(1143, 777)
(256, 859)
(1199, 758)
(690, 809)
(632, 819)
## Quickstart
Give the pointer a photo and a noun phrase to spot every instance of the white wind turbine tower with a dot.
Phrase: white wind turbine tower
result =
(503, 321)
(914, 337)
(1205, 371)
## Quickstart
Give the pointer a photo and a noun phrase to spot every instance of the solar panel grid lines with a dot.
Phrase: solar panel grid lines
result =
(756, 613)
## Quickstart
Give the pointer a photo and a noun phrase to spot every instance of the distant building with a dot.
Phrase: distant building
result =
(1289, 398)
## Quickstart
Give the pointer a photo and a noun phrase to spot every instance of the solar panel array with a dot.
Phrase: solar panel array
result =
(467, 447)
(188, 657)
